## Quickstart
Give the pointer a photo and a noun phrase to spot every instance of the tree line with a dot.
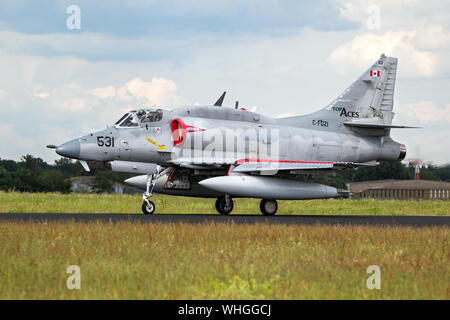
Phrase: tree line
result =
(32, 174)
(386, 170)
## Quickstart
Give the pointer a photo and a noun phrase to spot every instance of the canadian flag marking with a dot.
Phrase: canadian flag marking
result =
(374, 73)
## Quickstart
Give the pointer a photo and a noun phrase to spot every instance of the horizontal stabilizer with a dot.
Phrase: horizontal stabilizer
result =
(376, 125)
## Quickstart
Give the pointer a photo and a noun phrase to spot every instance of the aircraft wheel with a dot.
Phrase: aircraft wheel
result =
(148, 208)
(223, 206)
(268, 207)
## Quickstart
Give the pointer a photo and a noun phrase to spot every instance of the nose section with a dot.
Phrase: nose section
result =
(70, 149)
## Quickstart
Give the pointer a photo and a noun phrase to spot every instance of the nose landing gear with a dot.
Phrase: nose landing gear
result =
(148, 207)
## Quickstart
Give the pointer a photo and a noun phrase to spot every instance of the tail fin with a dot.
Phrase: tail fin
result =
(367, 101)
(372, 95)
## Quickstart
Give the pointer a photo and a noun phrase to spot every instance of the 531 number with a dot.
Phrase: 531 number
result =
(105, 141)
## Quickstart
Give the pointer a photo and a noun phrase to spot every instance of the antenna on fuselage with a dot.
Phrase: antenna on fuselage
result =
(220, 100)
(236, 105)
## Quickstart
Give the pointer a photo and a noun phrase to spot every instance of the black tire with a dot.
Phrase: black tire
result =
(221, 206)
(268, 207)
(148, 208)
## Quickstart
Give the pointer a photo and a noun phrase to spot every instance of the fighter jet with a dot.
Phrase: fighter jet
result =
(221, 152)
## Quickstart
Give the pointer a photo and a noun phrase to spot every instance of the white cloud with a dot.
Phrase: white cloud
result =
(360, 53)
(13, 143)
(54, 99)
(136, 92)
(72, 97)
(75, 105)
(282, 74)
(399, 14)
(159, 91)
(42, 95)
(417, 32)
(3, 94)
(104, 93)
(426, 111)
(433, 37)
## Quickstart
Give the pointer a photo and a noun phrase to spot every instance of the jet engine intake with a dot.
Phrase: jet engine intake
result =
(178, 131)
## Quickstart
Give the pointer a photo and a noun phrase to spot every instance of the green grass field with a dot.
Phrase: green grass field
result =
(102, 203)
(219, 261)
(209, 261)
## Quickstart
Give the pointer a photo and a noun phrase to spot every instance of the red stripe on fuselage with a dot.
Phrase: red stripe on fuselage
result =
(241, 161)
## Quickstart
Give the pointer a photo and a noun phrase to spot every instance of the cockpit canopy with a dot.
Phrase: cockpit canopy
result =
(135, 118)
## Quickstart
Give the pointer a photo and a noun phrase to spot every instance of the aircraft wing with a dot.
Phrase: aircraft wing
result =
(256, 165)
(202, 162)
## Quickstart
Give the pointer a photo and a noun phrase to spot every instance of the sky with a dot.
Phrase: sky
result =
(68, 68)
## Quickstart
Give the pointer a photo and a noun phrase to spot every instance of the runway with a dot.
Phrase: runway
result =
(386, 220)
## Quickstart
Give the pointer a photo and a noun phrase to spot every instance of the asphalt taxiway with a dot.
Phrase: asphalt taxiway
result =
(369, 220)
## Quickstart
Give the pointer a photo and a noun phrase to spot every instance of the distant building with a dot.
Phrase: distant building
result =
(87, 185)
(83, 184)
(400, 189)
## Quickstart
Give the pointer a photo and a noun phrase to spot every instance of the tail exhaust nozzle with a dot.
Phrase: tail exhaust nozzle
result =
(402, 152)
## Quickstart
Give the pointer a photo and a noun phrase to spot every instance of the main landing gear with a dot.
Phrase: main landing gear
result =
(224, 205)
(268, 207)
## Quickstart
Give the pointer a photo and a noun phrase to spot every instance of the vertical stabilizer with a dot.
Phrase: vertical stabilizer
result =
(368, 100)
(371, 95)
